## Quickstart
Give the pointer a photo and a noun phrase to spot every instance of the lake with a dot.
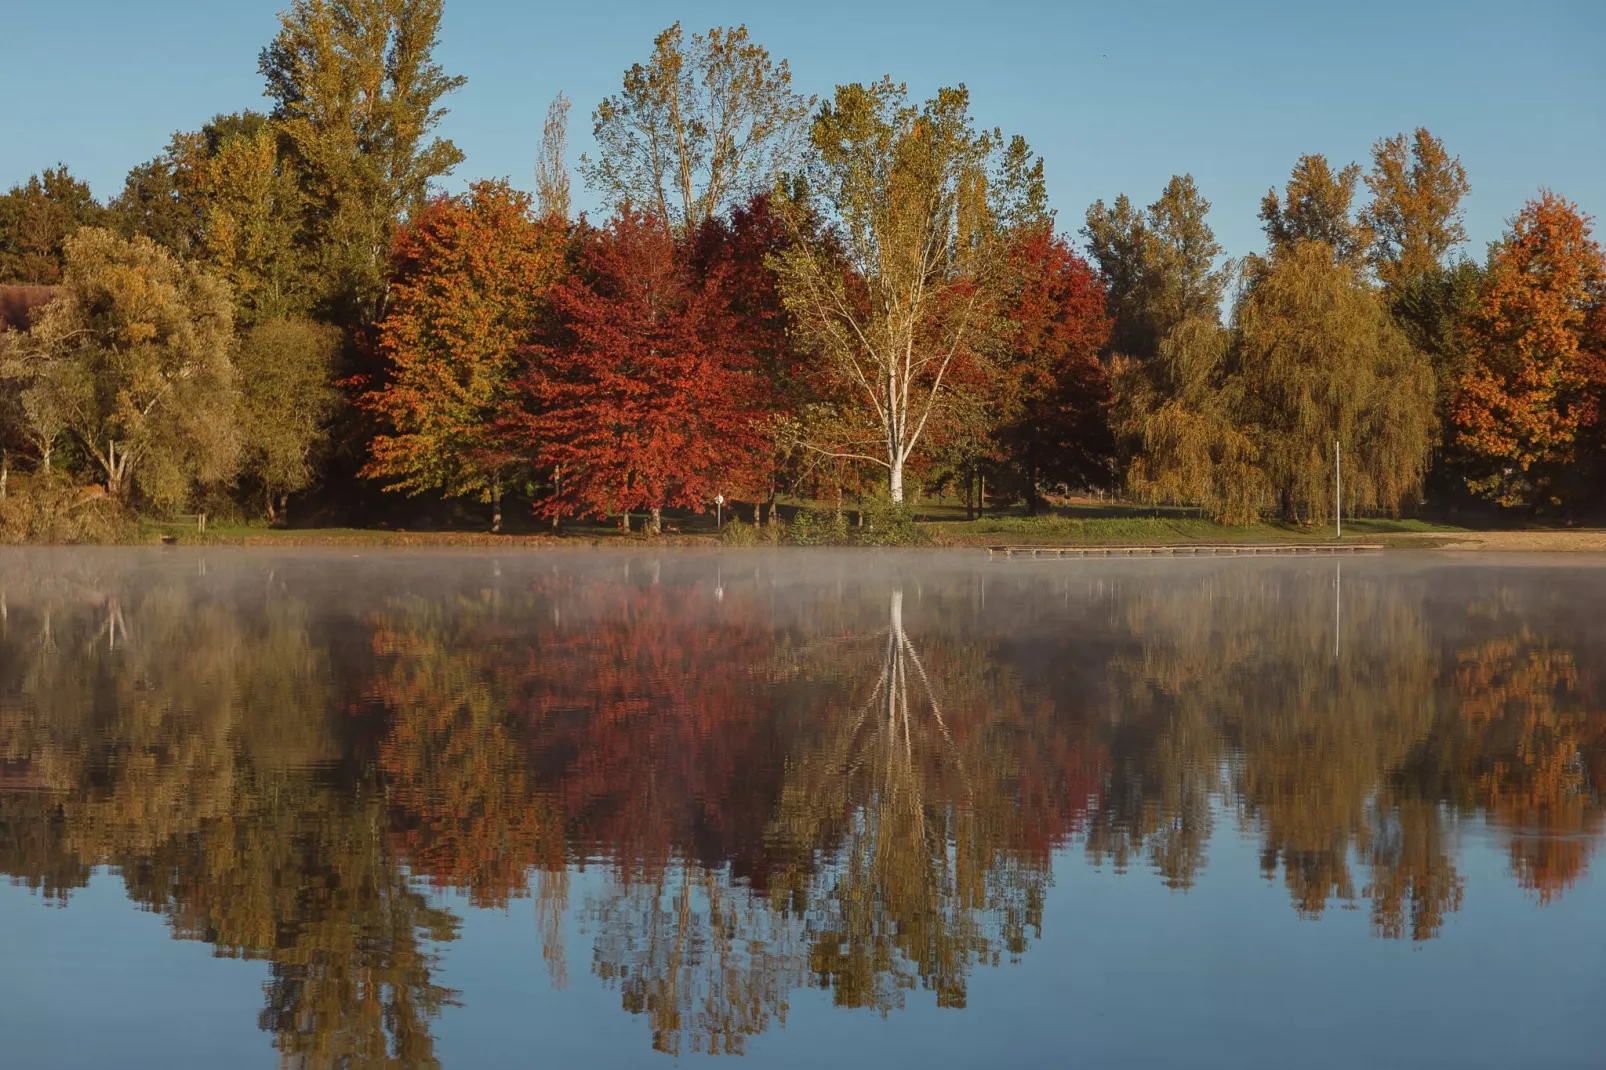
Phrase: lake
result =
(335, 808)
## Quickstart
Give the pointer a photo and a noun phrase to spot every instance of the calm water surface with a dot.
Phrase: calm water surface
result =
(334, 809)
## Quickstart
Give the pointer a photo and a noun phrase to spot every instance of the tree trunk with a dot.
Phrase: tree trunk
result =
(895, 483)
(970, 493)
(5, 473)
(655, 520)
(624, 521)
(496, 505)
(1290, 513)
(284, 509)
(114, 469)
(981, 494)
(267, 494)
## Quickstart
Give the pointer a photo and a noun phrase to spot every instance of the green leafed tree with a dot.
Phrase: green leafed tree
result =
(1162, 264)
(700, 127)
(283, 367)
(358, 95)
(36, 220)
(135, 353)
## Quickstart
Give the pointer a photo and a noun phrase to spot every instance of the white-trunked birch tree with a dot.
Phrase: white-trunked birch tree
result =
(899, 264)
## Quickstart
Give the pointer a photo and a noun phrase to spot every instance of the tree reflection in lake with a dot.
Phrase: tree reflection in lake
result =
(847, 773)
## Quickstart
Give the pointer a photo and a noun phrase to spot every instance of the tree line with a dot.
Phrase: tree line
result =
(863, 294)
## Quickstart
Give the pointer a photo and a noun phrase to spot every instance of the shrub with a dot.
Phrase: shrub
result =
(50, 508)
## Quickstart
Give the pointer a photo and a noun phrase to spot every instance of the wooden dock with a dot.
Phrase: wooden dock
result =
(1282, 549)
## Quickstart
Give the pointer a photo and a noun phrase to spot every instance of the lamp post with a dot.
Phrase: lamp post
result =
(1338, 492)
(719, 511)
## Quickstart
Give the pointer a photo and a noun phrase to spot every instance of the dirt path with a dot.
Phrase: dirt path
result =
(1583, 540)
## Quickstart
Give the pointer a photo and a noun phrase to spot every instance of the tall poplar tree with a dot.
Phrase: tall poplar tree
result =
(358, 94)
(551, 167)
(1318, 204)
(698, 128)
(1162, 264)
(897, 294)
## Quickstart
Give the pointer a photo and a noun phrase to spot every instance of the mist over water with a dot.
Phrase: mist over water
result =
(465, 809)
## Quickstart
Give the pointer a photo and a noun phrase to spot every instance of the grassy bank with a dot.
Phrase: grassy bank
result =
(1090, 525)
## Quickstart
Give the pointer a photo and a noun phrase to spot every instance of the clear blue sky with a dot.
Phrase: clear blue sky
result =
(1116, 96)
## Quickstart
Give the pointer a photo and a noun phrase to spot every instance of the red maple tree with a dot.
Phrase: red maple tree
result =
(1060, 430)
(646, 399)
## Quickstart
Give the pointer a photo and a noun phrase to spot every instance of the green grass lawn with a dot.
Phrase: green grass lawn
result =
(1098, 526)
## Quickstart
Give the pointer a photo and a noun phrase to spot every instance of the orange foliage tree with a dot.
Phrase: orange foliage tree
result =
(472, 276)
(1532, 391)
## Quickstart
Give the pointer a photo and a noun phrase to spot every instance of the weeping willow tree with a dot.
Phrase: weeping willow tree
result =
(1239, 420)
(1321, 366)
(1179, 412)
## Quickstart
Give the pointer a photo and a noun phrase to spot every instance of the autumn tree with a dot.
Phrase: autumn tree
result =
(1536, 345)
(645, 400)
(36, 220)
(472, 275)
(357, 94)
(738, 250)
(1177, 415)
(1172, 404)
(228, 194)
(136, 351)
(1059, 430)
(1318, 205)
(1322, 366)
(897, 294)
(1415, 216)
(551, 169)
(283, 369)
(1162, 265)
(699, 127)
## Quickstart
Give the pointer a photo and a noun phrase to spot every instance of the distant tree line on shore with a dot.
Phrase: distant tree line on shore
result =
(865, 294)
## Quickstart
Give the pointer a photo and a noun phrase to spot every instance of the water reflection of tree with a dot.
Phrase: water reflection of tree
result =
(861, 792)
(900, 826)
(1234, 692)
(188, 734)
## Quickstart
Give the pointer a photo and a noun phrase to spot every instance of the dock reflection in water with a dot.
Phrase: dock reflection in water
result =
(747, 784)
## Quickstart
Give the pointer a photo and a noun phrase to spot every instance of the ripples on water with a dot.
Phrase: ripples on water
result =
(727, 786)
